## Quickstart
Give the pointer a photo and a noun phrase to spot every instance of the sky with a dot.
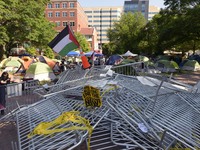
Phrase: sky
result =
(95, 3)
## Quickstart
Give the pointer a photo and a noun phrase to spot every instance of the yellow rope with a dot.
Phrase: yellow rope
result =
(45, 128)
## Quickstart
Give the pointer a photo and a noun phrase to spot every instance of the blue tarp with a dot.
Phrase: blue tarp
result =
(73, 54)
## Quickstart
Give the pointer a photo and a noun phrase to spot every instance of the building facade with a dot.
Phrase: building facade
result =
(63, 12)
(90, 34)
(102, 18)
(68, 12)
(137, 6)
(153, 10)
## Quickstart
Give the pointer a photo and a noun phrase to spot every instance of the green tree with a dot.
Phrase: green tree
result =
(175, 28)
(49, 53)
(109, 49)
(84, 44)
(31, 50)
(148, 37)
(125, 33)
(24, 23)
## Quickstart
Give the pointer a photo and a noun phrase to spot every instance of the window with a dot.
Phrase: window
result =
(72, 14)
(57, 24)
(88, 12)
(71, 5)
(50, 14)
(57, 14)
(143, 7)
(64, 5)
(72, 24)
(64, 14)
(57, 5)
(50, 6)
(64, 24)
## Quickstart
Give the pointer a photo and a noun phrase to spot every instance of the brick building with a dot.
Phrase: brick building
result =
(63, 12)
(90, 34)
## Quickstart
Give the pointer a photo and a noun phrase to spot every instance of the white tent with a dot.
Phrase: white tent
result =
(128, 53)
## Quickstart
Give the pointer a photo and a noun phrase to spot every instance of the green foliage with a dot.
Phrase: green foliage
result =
(49, 53)
(124, 35)
(109, 49)
(84, 45)
(172, 29)
(24, 23)
(31, 50)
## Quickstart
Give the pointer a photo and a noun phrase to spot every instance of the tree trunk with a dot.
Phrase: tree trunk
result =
(2, 51)
(194, 47)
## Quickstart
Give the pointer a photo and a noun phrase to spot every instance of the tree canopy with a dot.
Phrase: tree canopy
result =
(177, 27)
(24, 22)
(124, 34)
(84, 45)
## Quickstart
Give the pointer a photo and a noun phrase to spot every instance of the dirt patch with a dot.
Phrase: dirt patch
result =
(190, 78)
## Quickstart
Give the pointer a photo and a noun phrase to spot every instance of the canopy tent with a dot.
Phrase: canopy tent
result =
(128, 53)
(73, 54)
(167, 66)
(25, 54)
(6, 60)
(191, 65)
(88, 54)
(56, 60)
(114, 60)
(143, 58)
(40, 71)
(27, 62)
(47, 60)
(13, 63)
(194, 57)
(127, 61)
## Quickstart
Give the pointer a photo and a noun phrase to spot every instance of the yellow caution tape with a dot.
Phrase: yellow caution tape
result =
(45, 128)
(92, 97)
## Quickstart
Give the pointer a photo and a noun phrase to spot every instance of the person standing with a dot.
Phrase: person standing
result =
(4, 80)
(63, 65)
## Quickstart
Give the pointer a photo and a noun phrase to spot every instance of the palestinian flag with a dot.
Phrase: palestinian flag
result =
(64, 42)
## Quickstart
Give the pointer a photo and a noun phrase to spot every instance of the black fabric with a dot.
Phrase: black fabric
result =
(3, 95)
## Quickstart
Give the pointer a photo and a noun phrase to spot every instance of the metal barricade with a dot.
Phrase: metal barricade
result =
(30, 85)
(72, 74)
(17, 96)
(70, 85)
(124, 134)
(180, 118)
(131, 69)
(47, 110)
(136, 111)
(101, 137)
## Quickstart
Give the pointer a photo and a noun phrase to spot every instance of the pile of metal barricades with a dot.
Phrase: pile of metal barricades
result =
(137, 112)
